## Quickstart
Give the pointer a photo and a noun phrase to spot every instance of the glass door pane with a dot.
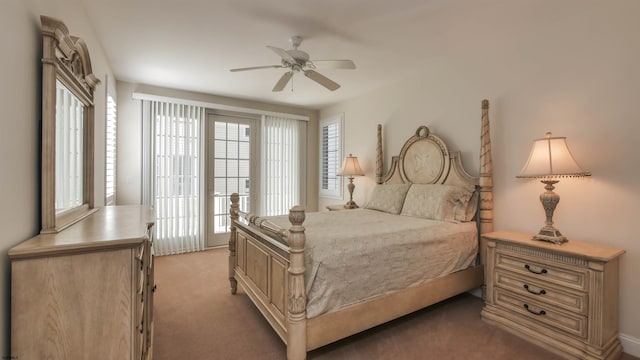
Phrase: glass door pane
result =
(230, 163)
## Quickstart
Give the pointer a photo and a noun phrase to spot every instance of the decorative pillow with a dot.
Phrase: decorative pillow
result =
(388, 198)
(437, 202)
(472, 207)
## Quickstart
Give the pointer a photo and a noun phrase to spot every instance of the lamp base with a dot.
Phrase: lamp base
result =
(550, 234)
(351, 205)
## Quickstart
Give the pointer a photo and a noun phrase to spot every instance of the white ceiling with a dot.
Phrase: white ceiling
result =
(192, 44)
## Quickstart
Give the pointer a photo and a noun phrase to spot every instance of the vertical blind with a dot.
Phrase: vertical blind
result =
(282, 165)
(110, 171)
(173, 181)
(69, 161)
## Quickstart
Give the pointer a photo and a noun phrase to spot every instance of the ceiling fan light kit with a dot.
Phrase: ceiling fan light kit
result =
(299, 61)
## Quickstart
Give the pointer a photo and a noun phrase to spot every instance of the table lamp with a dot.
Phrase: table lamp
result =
(350, 168)
(550, 159)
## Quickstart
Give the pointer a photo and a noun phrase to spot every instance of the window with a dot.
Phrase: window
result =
(331, 156)
(110, 170)
(173, 173)
(283, 165)
(194, 159)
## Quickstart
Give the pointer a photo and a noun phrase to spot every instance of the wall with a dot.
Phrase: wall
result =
(20, 108)
(129, 183)
(569, 67)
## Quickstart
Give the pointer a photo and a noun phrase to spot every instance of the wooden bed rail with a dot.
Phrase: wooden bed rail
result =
(265, 225)
(295, 297)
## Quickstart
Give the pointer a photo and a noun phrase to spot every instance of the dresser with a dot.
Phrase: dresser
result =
(562, 297)
(87, 291)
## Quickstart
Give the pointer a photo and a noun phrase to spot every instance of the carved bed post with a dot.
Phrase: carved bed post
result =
(297, 301)
(486, 185)
(233, 213)
(379, 156)
(486, 173)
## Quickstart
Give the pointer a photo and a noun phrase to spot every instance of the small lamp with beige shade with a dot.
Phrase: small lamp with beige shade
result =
(549, 160)
(350, 168)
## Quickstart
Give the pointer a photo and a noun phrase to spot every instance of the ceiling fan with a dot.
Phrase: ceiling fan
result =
(298, 61)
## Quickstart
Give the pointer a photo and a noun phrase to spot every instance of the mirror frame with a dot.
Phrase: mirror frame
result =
(65, 58)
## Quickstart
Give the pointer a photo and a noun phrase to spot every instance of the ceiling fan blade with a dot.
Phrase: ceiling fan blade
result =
(321, 79)
(283, 54)
(283, 81)
(333, 64)
(257, 67)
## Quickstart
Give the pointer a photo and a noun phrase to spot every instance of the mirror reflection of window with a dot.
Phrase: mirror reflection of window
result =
(70, 125)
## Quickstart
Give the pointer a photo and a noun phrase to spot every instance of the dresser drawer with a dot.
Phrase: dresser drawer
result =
(543, 271)
(541, 312)
(542, 291)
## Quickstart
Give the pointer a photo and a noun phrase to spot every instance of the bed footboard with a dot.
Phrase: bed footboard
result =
(272, 274)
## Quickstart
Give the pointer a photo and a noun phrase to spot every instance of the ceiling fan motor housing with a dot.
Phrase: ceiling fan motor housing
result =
(300, 56)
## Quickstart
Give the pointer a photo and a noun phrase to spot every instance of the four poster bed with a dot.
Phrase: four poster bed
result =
(415, 243)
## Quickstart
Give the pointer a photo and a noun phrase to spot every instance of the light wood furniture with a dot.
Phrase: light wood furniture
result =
(86, 292)
(272, 272)
(65, 59)
(562, 297)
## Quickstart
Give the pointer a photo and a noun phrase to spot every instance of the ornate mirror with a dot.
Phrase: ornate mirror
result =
(67, 127)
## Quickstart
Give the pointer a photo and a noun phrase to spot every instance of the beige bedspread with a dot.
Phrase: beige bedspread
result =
(355, 255)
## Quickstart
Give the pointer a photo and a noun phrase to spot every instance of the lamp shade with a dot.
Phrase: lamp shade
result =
(350, 167)
(550, 158)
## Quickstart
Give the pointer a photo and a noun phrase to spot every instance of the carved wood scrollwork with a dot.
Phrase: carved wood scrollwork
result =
(65, 59)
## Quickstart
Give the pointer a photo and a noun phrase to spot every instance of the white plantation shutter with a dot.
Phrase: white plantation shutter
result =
(331, 157)
(174, 169)
(282, 165)
(110, 171)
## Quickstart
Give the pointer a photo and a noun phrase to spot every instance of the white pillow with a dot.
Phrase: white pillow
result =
(437, 202)
(388, 198)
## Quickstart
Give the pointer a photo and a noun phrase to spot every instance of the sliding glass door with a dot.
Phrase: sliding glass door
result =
(231, 167)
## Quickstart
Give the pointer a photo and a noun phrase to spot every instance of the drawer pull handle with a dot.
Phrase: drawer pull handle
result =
(154, 288)
(541, 312)
(541, 292)
(543, 271)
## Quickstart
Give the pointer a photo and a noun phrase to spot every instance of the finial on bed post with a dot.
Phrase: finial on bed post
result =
(486, 173)
(297, 302)
(379, 156)
(233, 235)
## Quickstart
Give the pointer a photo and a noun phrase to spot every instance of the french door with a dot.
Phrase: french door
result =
(231, 163)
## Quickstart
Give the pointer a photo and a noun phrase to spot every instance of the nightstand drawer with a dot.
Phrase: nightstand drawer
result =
(546, 271)
(541, 312)
(542, 291)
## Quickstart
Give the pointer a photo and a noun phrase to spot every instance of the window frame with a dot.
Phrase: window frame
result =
(335, 193)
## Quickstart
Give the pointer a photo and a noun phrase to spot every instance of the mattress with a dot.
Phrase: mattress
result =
(356, 255)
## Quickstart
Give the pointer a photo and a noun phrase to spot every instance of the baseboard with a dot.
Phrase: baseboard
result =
(630, 345)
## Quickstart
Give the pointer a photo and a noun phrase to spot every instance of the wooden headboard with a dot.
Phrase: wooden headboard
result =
(426, 159)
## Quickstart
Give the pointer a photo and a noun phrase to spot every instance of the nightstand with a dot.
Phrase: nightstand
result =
(562, 297)
(338, 207)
